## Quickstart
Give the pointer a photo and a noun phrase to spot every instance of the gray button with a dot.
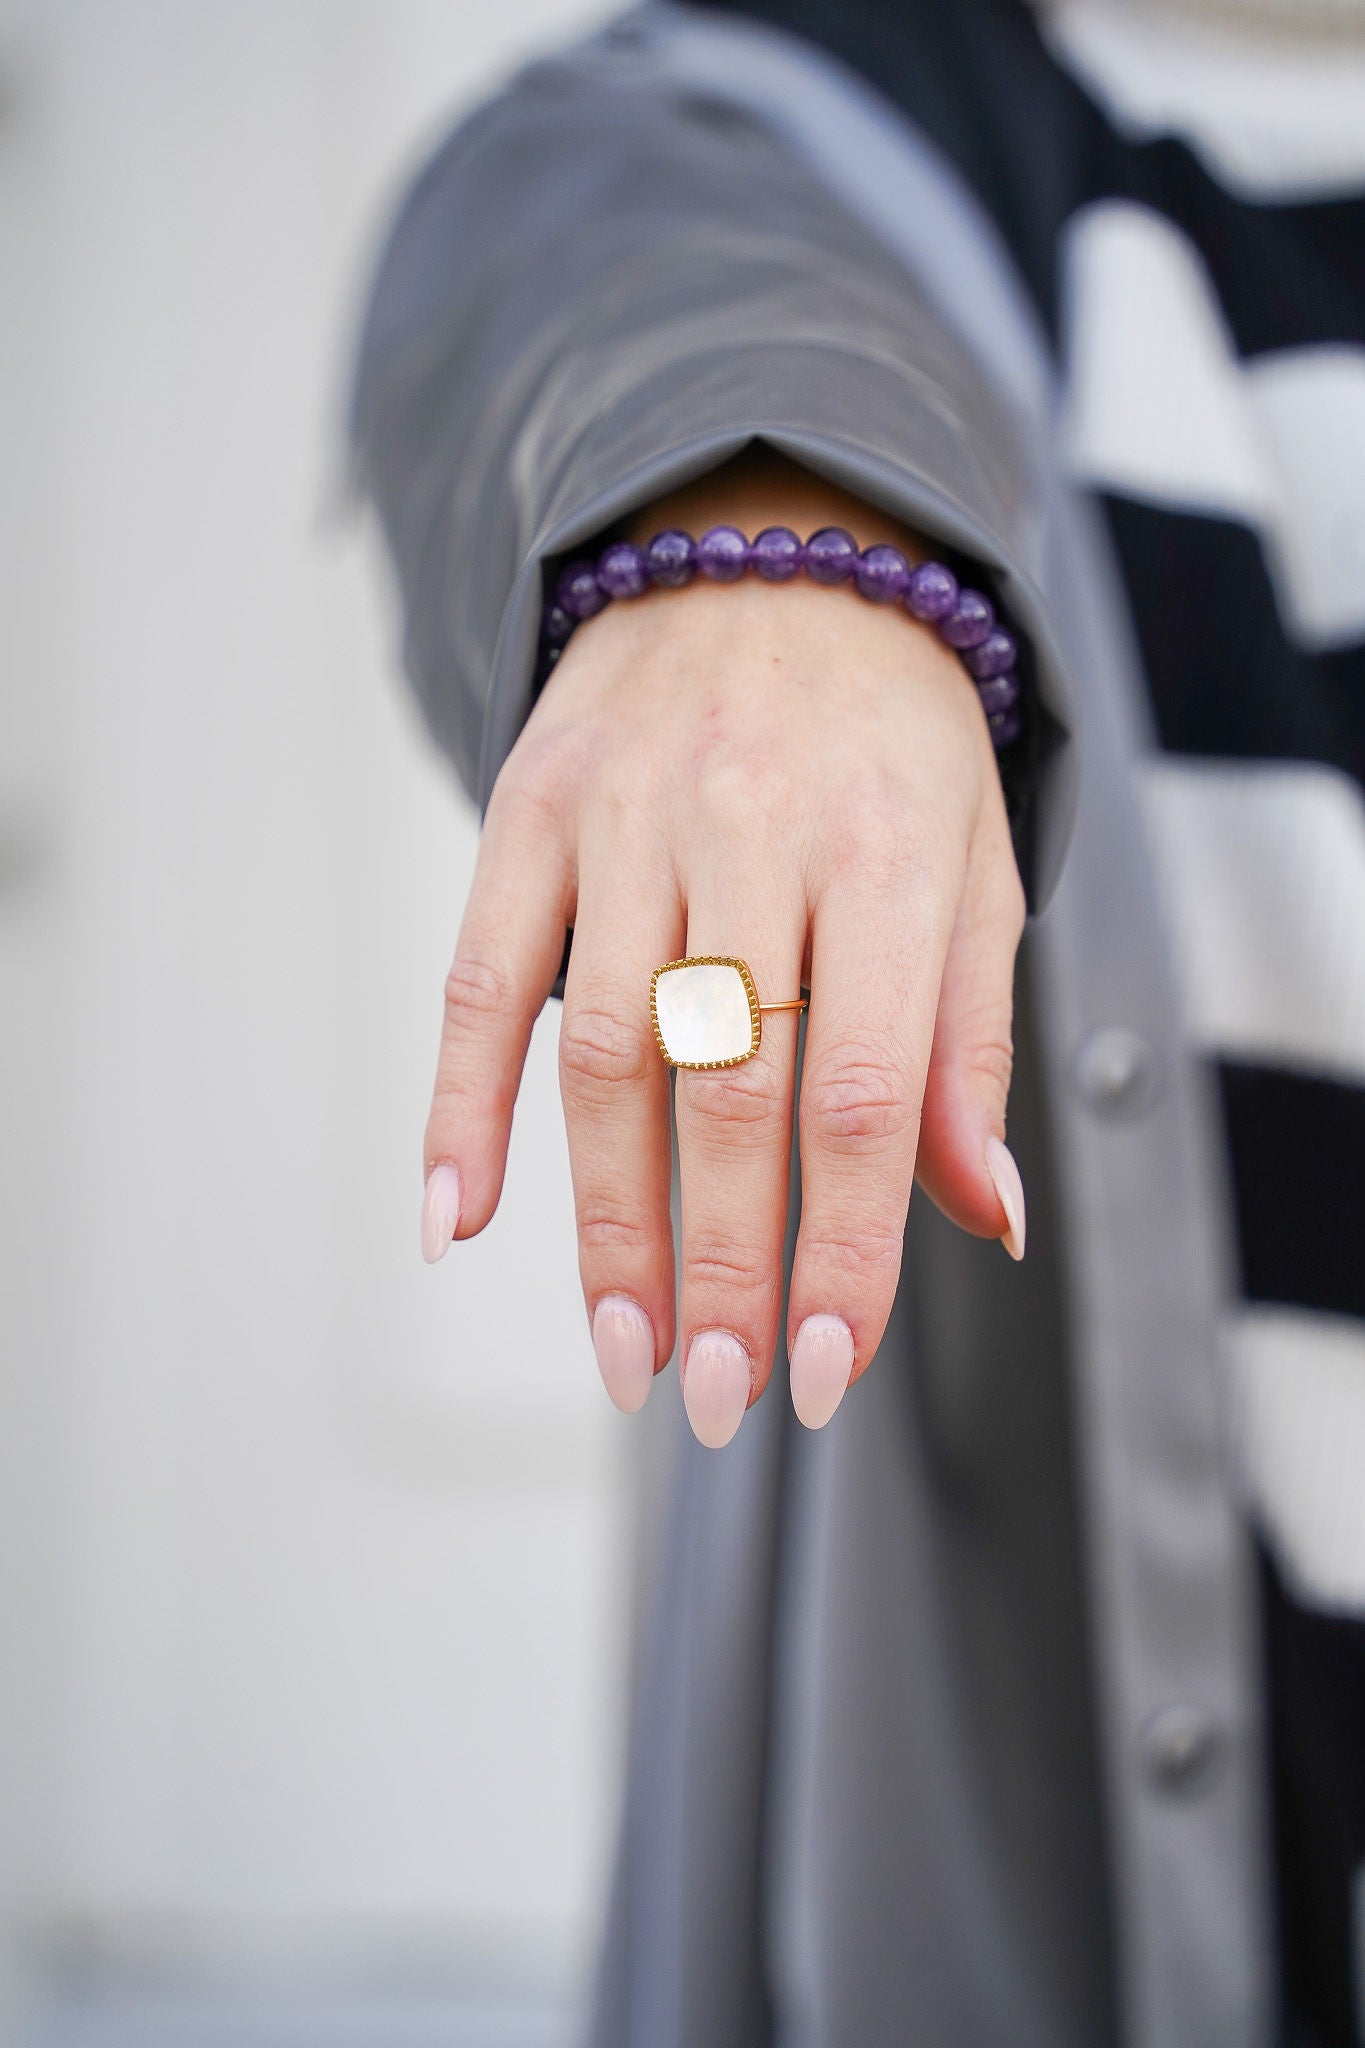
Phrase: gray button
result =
(1182, 1748)
(1116, 1071)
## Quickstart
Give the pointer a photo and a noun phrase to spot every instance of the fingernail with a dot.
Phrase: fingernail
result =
(821, 1361)
(440, 1212)
(1005, 1175)
(715, 1387)
(623, 1338)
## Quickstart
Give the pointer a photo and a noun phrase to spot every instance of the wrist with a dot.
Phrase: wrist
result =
(760, 488)
(928, 592)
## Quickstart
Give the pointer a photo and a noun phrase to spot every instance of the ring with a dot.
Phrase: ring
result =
(706, 1013)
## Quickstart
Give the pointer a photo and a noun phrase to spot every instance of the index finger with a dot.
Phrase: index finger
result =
(506, 960)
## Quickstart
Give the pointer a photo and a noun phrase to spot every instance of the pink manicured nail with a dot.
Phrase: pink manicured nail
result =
(1005, 1175)
(715, 1386)
(623, 1338)
(822, 1359)
(440, 1212)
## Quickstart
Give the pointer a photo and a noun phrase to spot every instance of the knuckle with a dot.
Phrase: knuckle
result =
(597, 1047)
(738, 1098)
(742, 791)
(532, 787)
(859, 1099)
(895, 854)
(878, 835)
(625, 781)
(992, 1059)
(478, 991)
(729, 1266)
(931, 857)
(868, 824)
(614, 1230)
(864, 1257)
(628, 806)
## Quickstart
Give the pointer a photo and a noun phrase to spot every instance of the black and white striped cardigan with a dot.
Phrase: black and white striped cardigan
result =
(1188, 207)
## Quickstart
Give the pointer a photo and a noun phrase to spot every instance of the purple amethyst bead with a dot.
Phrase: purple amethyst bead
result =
(776, 554)
(578, 591)
(831, 555)
(556, 624)
(1005, 726)
(622, 570)
(932, 591)
(1001, 693)
(970, 623)
(995, 656)
(882, 574)
(672, 558)
(723, 554)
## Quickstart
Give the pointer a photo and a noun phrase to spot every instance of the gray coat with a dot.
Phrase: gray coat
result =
(947, 1722)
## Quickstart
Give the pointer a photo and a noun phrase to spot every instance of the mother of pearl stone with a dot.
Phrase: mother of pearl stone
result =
(704, 1015)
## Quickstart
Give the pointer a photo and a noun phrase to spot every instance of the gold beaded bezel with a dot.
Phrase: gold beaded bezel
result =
(707, 960)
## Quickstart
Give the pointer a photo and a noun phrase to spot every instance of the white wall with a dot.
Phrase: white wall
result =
(311, 1560)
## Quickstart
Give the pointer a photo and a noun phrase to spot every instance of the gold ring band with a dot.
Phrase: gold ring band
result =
(706, 1013)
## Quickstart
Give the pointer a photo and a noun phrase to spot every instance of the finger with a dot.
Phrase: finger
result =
(734, 1158)
(614, 1084)
(506, 960)
(879, 937)
(964, 1163)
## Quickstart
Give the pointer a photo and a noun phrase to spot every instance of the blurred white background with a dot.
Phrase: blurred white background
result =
(313, 1563)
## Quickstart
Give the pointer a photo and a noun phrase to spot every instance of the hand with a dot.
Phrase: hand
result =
(805, 780)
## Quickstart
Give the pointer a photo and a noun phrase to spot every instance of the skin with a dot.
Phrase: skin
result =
(800, 777)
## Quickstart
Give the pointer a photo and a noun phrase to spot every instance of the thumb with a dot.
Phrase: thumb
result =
(964, 1163)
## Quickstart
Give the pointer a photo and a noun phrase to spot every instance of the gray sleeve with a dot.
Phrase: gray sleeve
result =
(608, 281)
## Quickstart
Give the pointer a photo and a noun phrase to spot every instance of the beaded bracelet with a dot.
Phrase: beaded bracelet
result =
(965, 619)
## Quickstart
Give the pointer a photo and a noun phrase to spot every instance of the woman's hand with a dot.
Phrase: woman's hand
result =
(805, 780)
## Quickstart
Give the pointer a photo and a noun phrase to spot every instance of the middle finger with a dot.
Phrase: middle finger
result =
(734, 1157)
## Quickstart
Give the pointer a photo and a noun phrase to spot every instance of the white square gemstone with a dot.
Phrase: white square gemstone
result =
(703, 1014)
